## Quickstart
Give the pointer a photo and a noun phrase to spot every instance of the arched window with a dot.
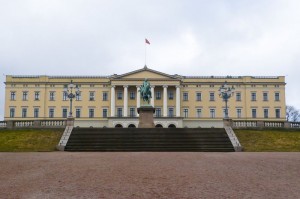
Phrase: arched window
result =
(118, 126)
(158, 126)
(131, 126)
(171, 126)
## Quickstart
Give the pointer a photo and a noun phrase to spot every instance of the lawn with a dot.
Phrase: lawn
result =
(272, 140)
(25, 140)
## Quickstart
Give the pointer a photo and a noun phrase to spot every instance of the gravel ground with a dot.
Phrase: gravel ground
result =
(149, 175)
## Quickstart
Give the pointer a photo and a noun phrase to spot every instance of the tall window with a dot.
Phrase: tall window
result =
(185, 112)
(25, 95)
(185, 96)
(91, 113)
(120, 95)
(158, 112)
(64, 113)
(78, 113)
(65, 96)
(171, 112)
(211, 96)
(24, 112)
(119, 112)
(198, 96)
(132, 95)
(132, 112)
(253, 113)
(51, 112)
(266, 113)
(13, 95)
(171, 95)
(36, 112)
(265, 96)
(36, 95)
(158, 95)
(253, 96)
(277, 113)
(212, 113)
(92, 96)
(238, 96)
(78, 96)
(12, 112)
(277, 97)
(198, 112)
(238, 113)
(104, 96)
(104, 113)
(52, 96)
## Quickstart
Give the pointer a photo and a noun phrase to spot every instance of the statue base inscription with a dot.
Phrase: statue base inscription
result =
(146, 117)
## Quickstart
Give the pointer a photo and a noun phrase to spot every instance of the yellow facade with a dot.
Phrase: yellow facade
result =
(265, 95)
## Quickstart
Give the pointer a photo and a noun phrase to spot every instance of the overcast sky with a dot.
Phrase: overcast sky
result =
(188, 37)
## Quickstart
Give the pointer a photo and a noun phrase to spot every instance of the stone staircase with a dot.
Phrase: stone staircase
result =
(152, 139)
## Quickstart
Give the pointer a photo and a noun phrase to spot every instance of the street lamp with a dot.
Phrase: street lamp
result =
(225, 92)
(71, 95)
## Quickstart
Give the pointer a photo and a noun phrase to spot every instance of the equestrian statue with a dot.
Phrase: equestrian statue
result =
(146, 91)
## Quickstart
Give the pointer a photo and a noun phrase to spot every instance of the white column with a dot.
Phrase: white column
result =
(152, 93)
(112, 101)
(165, 97)
(138, 98)
(177, 101)
(125, 100)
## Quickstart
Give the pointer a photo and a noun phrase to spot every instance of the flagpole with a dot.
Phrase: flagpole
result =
(145, 54)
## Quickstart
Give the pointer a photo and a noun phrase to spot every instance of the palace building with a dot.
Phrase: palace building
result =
(112, 101)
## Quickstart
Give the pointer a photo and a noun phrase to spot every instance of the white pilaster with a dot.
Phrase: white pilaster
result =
(125, 100)
(138, 98)
(165, 97)
(112, 101)
(177, 101)
(152, 93)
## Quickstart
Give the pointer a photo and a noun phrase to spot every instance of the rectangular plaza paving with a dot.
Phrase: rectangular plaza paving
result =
(149, 175)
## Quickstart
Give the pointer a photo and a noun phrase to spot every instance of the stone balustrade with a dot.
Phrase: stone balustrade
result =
(2, 124)
(33, 124)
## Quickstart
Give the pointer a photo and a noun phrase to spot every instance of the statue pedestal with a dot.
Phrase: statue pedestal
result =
(146, 117)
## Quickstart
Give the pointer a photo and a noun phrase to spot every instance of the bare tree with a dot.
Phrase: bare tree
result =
(292, 114)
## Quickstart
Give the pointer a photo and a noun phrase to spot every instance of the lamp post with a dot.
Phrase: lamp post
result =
(71, 95)
(225, 92)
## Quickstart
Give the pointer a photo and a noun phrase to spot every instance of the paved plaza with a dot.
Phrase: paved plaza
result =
(149, 175)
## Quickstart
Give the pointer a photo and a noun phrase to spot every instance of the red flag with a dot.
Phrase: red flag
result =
(147, 42)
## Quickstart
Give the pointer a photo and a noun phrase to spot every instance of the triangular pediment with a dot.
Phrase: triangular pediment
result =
(145, 73)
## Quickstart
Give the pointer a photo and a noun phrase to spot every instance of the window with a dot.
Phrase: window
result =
(25, 96)
(52, 96)
(78, 111)
(36, 95)
(199, 112)
(238, 96)
(65, 96)
(266, 113)
(92, 96)
(132, 95)
(104, 113)
(171, 95)
(171, 112)
(212, 113)
(120, 95)
(119, 112)
(185, 112)
(238, 113)
(104, 96)
(277, 113)
(224, 113)
(12, 112)
(277, 97)
(51, 112)
(265, 96)
(211, 96)
(253, 113)
(64, 113)
(13, 95)
(24, 112)
(158, 95)
(158, 112)
(91, 113)
(36, 112)
(253, 96)
(132, 112)
(198, 96)
(185, 96)
(78, 96)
